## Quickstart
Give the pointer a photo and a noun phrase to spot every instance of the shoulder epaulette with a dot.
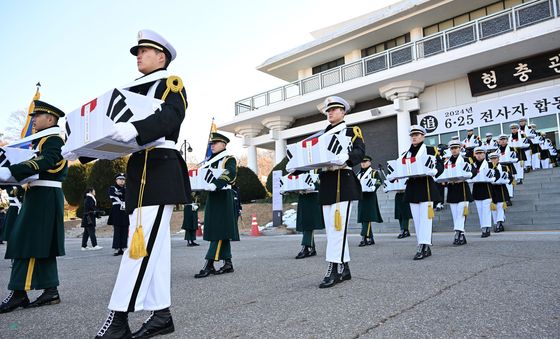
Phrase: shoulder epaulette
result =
(357, 133)
(174, 84)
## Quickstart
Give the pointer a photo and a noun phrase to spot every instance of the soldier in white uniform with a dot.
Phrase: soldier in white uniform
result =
(524, 130)
(482, 192)
(521, 153)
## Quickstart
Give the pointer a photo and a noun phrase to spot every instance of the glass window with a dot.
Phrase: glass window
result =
(431, 140)
(328, 65)
(498, 6)
(445, 25)
(511, 3)
(445, 138)
(430, 30)
(494, 129)
(461, 19)
(546, 123)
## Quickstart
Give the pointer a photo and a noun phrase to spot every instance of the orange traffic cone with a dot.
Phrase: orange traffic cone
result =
(199, 229)
(254, 226)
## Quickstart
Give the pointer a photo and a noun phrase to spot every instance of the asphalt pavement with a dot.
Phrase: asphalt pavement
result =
(507, 285)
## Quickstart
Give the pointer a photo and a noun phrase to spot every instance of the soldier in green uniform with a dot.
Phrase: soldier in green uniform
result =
(368, 207)
(309, 219)
(220, 214)
(37, 236)
(190, 223)
(15, 195)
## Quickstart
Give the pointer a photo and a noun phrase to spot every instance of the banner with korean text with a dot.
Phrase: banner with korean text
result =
(529, 104)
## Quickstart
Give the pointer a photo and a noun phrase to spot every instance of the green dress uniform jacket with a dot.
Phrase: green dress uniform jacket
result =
(15, 193)
(368, 208)
(38, 231)
(309, 212)
(220, 213)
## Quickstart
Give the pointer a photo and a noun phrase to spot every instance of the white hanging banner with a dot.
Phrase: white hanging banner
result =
(531, 104)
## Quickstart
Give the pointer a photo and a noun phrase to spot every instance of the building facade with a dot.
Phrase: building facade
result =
(446, 64)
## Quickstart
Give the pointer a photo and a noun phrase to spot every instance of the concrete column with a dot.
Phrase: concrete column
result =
(304, 73)
(352, 56)
(399, 92)
(252, 158)
(416, 33)
(248, 132)
(275, 125)
(279, 150)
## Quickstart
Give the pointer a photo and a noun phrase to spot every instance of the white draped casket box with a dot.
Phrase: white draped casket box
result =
(486, 175)
(201, 178)
(453, 173)
(399, 185)
(88, 127)
(530, 134)
(13, 155)
(508, 157)
(368, 183)
(502, 180)
(425, 165)
(301, 182)
(519, 143)
(317, 152)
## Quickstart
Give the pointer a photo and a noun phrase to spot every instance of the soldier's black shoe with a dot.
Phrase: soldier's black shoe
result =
(49, 296)
(370, 241)
(462, 239)
(427, 251)
(406, 233)
(500, 227)
(227, 268)
(159, 323)
(194, 243)
(206, 270)
(115, 327)
(304, 253)
(331, 277)
(14, 300)
(520, 182)
(345, 274)
(401, 235)
(509, 203)
(485, 232)
(456, 238)
(419, 253)
(312, 252)
(363, 243)
(191, 243)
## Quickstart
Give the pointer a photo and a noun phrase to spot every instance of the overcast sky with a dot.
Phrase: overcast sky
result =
(80, 49)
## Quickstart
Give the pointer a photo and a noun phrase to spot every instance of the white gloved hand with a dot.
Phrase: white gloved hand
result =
(124, 132)
(5, 174)
(341, 159)
(212, 187)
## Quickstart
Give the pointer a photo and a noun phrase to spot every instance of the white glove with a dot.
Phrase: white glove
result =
(124, 132)
(211, 187)
(5, 174)
(341, 159)
(70, 156)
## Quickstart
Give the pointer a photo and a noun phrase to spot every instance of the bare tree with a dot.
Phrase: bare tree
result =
(16, 122)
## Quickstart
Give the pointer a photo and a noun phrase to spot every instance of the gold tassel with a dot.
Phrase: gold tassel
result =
(504, 205)
(492, 206)
(138, 245)
(431, 213)
(466, 210)
(337, 219)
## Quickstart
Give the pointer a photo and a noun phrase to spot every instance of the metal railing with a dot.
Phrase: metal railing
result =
(471, 32)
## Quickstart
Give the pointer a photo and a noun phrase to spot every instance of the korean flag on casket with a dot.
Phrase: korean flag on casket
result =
(14, 155)
(88, 127)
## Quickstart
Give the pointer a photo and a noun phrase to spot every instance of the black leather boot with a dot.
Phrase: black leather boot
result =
(370, 240)
(345, 274)
(427, 251)
(115, 327)
(456, 238)
(485, 232)
(401, 235)
(227, 268)
(419, 253)
(406, 233)
(331, 277)
(304, 253)
(49, 296)
(363, 242)
(312, 251)
(14, 300)
(500, 227)
(462, 239)
(206, 270)
(160, 322)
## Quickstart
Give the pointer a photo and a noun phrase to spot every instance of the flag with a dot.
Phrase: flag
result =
(27, 129)
(213, 129)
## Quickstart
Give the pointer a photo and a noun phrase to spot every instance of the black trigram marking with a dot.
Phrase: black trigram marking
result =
(334, 145)
(68, 131)
(390, 169)
(209, 177)
(4, 162)
(369, 183)
(309, 180)
(281, 183)
(289, 154)
(429, 163)
(118, 111)
(466, 168)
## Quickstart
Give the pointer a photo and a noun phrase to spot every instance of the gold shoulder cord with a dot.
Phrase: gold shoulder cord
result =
(138, 245)
(175, 85)
(60, 164)
(357, 133)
